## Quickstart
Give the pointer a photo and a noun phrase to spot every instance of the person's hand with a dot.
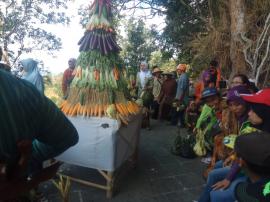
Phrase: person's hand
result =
(223, 184)
(177, 102)
(228, 161)
(45, 174)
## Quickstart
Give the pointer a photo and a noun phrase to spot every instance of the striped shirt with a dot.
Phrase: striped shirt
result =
(25, 114)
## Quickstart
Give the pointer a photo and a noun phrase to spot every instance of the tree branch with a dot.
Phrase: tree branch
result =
(247, 45)
(261, 40)
(262, 62)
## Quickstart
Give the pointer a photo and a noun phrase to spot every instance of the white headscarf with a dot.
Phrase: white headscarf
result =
(32, 74)
(144, 75)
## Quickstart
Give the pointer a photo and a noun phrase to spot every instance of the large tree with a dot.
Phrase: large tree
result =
(23, 25)
(235, 32)
(139, 43)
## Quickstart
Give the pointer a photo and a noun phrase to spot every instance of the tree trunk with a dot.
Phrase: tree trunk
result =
(237, 15)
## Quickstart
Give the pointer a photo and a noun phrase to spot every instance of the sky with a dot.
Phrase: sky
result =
(70, 35)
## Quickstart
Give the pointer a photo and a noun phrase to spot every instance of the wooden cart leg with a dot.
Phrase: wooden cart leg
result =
(110, 185)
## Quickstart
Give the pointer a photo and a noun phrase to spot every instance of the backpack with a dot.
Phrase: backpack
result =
(183, 146)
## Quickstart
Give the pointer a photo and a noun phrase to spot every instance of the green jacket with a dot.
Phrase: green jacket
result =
(26, 114)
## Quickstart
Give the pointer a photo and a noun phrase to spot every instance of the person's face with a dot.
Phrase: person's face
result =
(254, 118)
(237, 81)
(157, 74)
(213, 101)
(179, 71)
(212, 70)
(237, 108)
(143, 67)
(71, 64)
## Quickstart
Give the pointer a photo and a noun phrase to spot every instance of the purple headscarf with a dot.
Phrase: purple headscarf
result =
(234, 94)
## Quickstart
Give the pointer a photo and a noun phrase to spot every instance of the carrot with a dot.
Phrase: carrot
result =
(70, 110)
(123, 120)
(123, 106)
(96, 75)
(74, 110)
(119, 109)
(96, 110)
(99, 110)
(63, 104)
(89, 111)
(116, 73)
(80, 72)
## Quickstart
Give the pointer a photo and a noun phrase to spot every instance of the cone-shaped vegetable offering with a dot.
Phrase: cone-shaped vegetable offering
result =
(99, 87)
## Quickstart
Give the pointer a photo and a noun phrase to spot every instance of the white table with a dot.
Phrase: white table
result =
(104, 144)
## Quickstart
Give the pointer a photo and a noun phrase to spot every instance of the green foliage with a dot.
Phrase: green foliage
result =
(53, 89)
(138, 45)
(156, 58)
(22, 24)
(178, 33)
(169, 66)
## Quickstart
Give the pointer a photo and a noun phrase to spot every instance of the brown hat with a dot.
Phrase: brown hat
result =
(156, 70)
(168, 73)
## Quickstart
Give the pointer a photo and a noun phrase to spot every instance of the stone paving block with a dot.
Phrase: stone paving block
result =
(180, 196)
(190, 180)
(165, 185)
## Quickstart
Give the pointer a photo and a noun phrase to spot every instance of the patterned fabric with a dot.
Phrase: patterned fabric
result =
(25, 114)
(156, 87)
(206, 123)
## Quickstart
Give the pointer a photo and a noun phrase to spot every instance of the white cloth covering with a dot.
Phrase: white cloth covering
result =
(103, 148)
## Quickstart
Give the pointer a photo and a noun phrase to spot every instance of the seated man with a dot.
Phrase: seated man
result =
(254, 151)
(32, 130)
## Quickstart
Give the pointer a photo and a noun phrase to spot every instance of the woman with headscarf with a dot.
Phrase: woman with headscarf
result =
(258, 116)
(31, 74)
(234, 121)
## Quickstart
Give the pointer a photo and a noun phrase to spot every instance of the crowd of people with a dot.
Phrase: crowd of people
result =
(163, 95)
(230, 124)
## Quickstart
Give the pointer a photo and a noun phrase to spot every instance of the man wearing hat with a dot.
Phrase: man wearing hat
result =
(254, 152)
(68, 77)
(167, 95)
(182, 92)
(157, 83)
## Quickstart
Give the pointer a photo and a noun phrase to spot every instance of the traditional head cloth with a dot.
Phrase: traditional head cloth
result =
(32, 74)
(182, 67)
(145, 64)
(72, 62)
(234, 94)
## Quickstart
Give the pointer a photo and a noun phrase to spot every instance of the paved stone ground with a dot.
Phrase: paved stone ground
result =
(158, 177)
